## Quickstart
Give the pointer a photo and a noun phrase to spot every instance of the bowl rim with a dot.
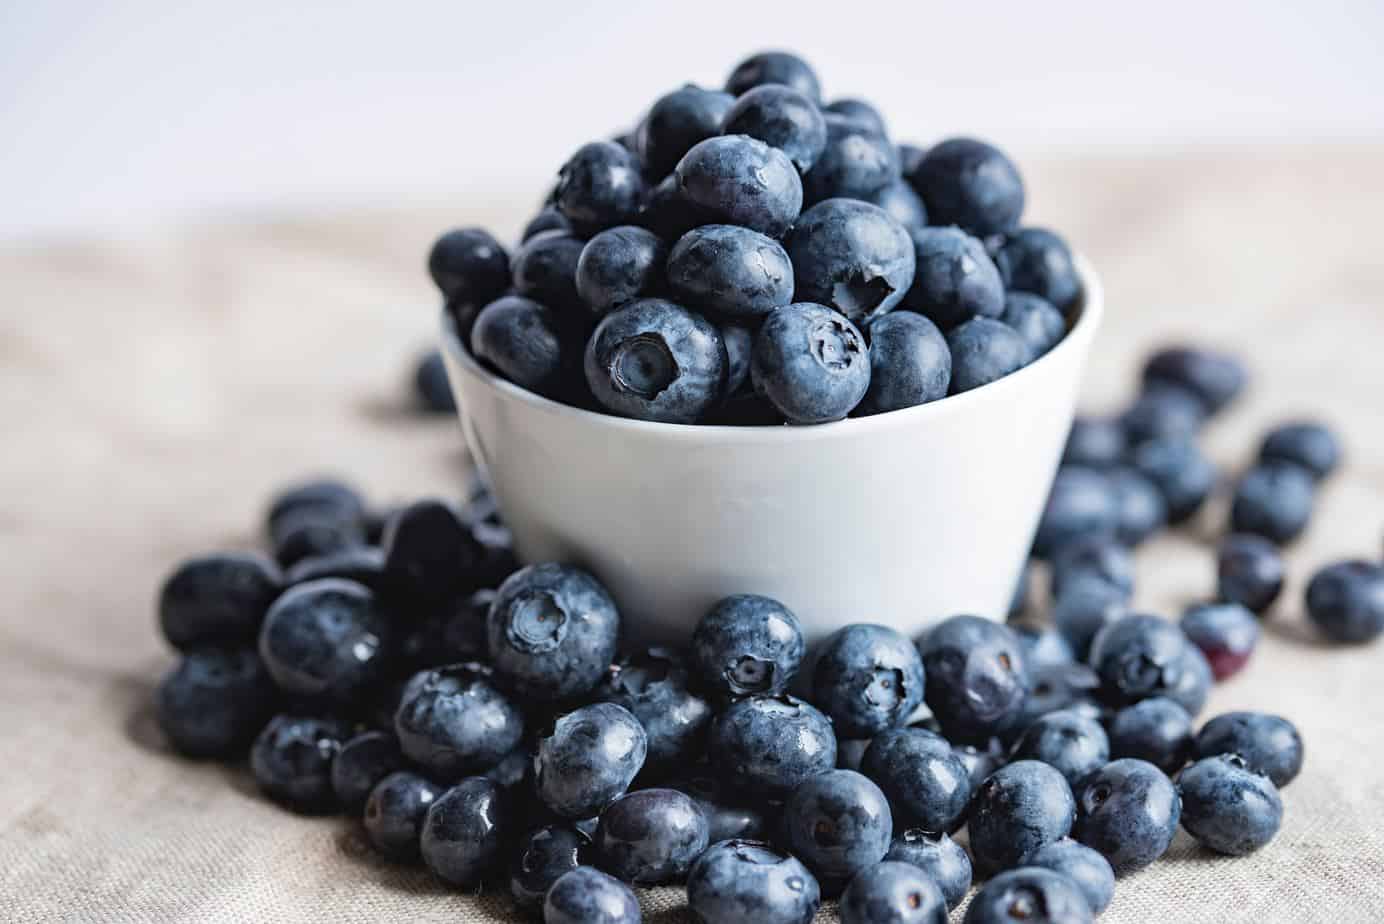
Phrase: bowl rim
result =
(1090, 312)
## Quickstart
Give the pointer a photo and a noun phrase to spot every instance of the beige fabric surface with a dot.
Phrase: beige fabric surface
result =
(153, 391)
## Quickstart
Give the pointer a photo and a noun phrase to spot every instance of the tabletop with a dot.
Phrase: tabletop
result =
(155, 389)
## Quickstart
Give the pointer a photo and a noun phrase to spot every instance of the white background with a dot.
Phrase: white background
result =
(116, 115)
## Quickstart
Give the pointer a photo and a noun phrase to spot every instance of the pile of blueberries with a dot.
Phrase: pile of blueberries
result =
(739, 256)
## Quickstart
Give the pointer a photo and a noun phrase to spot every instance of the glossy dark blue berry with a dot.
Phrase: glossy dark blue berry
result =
(1020, 808)
(541, 857)
(312, 533)
(851, 256)
(452, 721)
(1268, 744)
(600, 186)
(1086, 867)
(1038, 261)
(325, 498)
(937, 855)
(766, 745)
(586, 895)
(1087, 604)
(430, 385)
(775, 67)
(747, 644)
(470, 267)
(837, 823)
(783, 118)
(1274, 500)
(214, 702)
(1128, 811)
(1345, 601)
(588, 759)
(465, 832)
(954, 280)
(545, 270)
(739, 180)
(676, 122)
(1215, 378)
(526, 343)
(1099, 558)
(1040, 325)
(452, 633)
(650, 836)
(394, 813)
(654, 687)
(668, 213)
(1180, 471)
(868, 678)
(730, 270)
(857, 161)
(1072, 743)
(892, 893)
(727, 817)
(1163, 412)
(1308, 444)
(984, 351)
(1228, 807)
(328, 640)
(811, 363)
(1193, 680)
(927, 785)
(1226, 633)
(552, 631)
(1097, 442)
(363, 564)
(980, 760)
(429, 551)
(976, 676)
(619, 265)
(901, 203)
(361, 763)
(1157, 730)
(1033, 894)
(218, 600)
(970, 184)
(1137, 657)
(655, 360)
(739, 340)
(1141, 510)
(910, 363)
(547, 219)
(1249, 571)
(292, 759)
(746, 880)
(857, 110)
(1043, 647)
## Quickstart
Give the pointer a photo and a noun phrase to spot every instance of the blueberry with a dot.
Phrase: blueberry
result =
(938, 856)
(326, 498)
(470, 267)
(1074, 744)
(455, 632)
(586, 895)
(1273, 500)
(892, 893)
(600, 186)
(326, 639)
(361, 763)
(1137, 657)
(452, 721)
(655, 360)
(1249, 570)
(1088, 603)
(975, 676)
(1194, 680)
(724, 818)
(731, 270)
(955, 279)
(394, 813)
(676, 122)
(1228, 807)
(910, 363)
(850, 752)
(547, 219)
(901, 203)
(851, 256)
(214, 702)
(650, 836)
(465, 832)
(515, 769)
(782, 118)
(1128, 811)
(743, 880)
(654, 688)
(739, 341)
(1157, 730)
(1268, 744)
(775, 67)
(1345, 601)
(1040, 324)
(858, 161)
(430, 385)
(545, 269)
(524, 342)
(1037, 261)
(1085, 867)
(552, 631)
(541, 857)
(1099, 558)
(984, 351)
(1225, 632)
(1050, 688)
(588, 759)
(769, 744)
(1020, 808)
(1139, 504)
(1216, 379)
(926, 784)
(1097, 442)
(747, 644)
(739, 180)
(619, 265)
(1163, 412)
(1308, 444)
(811, 363)
(857, 110)
(218, 600)
(313, 533)
(868, 678)
(292, 759)
(1180, 471)
(1030, 893)
(668, 213)
(1043, 647)
(837, 823)
(970, 184)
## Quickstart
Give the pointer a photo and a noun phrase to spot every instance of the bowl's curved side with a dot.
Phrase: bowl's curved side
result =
(900, 519)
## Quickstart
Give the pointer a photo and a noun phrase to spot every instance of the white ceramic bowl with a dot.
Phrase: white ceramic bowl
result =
(902, 518)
